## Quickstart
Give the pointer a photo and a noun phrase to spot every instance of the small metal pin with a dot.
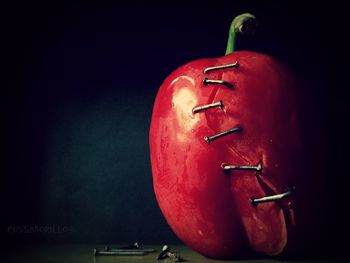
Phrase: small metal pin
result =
(272, 198)
(208, 139)
(164, 252)
(233, 65)
(119, 253)
(208, 106)
(167, 254)
(207, 81)
(229, 167)
(147, 250)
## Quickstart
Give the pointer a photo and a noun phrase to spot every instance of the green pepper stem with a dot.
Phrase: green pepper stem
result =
(244, 23)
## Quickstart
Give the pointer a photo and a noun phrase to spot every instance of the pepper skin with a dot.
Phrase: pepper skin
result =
(208, 208)
(251, 114)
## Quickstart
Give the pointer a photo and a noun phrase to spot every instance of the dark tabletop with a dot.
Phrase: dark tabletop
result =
(84, 253)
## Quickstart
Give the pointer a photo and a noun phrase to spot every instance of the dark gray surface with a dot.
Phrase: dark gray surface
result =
(84, 253)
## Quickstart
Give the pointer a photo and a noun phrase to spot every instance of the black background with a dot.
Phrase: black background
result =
(78, 85)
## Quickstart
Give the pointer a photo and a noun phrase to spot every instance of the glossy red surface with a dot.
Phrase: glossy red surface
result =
(207, 208)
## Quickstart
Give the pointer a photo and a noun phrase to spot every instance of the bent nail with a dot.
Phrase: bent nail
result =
(207, 81)
(229, 167)
(272, 198)
(233, 65)
(208, 106)
(118, 253)
(208, 139)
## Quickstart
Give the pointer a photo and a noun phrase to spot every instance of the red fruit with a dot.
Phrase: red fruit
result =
(208, 208)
